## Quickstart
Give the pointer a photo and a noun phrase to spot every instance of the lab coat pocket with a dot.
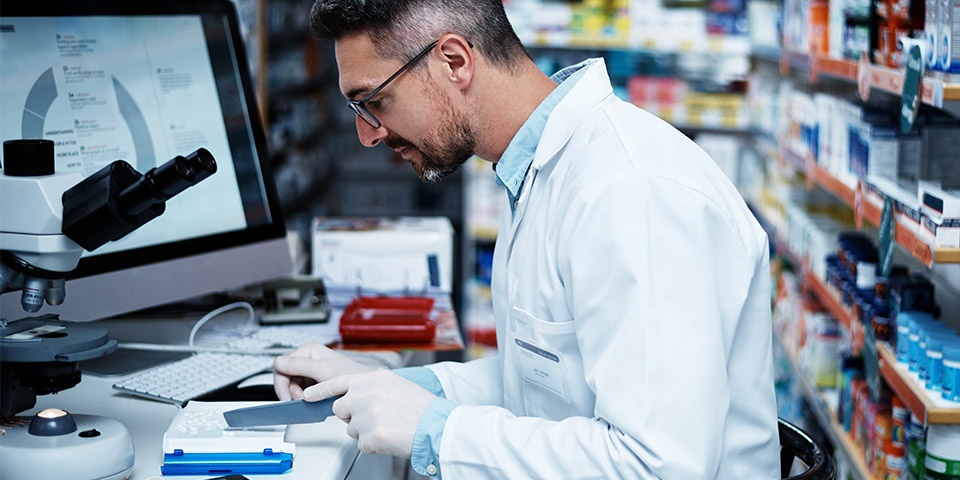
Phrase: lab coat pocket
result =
(545, 355)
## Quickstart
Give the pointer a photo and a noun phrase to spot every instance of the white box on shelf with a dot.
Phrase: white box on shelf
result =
(941, 215)
(942, 234)
(938, 203)
(384, 255)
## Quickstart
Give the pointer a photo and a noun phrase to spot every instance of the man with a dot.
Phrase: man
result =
(630, 282)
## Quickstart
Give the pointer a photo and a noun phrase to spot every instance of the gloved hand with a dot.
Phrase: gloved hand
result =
(308, 365)
(382, 409)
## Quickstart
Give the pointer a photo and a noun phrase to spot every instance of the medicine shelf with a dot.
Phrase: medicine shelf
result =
(870, 212)
(916, 397)
(907, 387)
(934, 92)
(703, 44)
(826, 417)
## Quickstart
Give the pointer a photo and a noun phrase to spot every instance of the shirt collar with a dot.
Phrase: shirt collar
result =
(516, 159)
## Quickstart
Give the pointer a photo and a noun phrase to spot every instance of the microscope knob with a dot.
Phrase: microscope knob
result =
(28, 158)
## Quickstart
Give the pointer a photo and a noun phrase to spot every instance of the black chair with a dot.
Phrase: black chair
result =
(796, 444)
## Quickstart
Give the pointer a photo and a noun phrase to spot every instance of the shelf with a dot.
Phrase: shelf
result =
(830, 183)
(834, 68)
(866, 211)
(934, 92)
(915, 396)
(706, 44)
(826, 417)
(900, 380)
(829, 299)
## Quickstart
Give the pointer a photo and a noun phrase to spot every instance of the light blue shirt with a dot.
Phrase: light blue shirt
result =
(510, 172)
(513, 165)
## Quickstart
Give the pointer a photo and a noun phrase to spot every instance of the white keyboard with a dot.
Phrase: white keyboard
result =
(183, 380)
(287, 336)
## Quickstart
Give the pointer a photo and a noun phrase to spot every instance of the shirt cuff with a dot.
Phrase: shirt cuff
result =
(425, 456)
(424, 377)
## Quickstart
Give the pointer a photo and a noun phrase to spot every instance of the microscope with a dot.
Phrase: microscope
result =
(47, 220)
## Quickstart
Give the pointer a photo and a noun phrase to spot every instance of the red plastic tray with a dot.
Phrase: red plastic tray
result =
(388, 319)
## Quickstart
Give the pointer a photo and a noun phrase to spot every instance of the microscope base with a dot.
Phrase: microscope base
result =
(100, 449)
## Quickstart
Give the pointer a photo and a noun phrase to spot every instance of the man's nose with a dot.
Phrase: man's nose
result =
(370, 136)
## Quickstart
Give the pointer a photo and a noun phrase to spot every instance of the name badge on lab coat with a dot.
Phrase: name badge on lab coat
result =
(541, 366)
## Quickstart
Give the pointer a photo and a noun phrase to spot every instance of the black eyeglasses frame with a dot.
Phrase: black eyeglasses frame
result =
(360, 106)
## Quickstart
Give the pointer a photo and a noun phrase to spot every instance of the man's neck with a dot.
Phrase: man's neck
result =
(504, 102)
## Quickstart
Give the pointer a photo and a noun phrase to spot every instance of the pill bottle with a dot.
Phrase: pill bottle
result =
(942, 460)
(914, 355)
(950, 380)
(904, 323)
(927, 332)
(934, 353)
(880, 320)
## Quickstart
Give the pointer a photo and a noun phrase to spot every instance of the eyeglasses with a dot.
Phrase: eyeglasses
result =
(360, 106)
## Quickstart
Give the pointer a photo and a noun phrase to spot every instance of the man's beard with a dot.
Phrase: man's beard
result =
(442, 153)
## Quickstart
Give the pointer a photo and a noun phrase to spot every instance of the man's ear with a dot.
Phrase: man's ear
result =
(459, 59)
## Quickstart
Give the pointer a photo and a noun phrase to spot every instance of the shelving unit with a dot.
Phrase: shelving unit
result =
(934, 92)
(870, 203)
(827, 419)
(901, 381)
(868, 209)
(709, 44)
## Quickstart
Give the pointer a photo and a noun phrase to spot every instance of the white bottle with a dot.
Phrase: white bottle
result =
(943, 451)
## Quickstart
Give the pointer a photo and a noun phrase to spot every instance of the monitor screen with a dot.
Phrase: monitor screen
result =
(145, 82)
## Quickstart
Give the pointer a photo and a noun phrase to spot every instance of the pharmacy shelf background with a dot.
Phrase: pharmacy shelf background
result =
(809, 191)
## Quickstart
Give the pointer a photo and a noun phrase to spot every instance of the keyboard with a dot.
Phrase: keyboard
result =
(287, 336)
(183, 380)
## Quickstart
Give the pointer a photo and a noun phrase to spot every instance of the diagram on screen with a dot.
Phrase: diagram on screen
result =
(44, 92)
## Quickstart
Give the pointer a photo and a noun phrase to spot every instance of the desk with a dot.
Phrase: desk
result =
(175, 329)
(324, 451)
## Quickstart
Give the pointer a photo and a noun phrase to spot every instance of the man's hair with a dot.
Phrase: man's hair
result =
(401, 28)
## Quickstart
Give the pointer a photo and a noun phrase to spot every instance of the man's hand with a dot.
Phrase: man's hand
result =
(382, 409)
(308, 365)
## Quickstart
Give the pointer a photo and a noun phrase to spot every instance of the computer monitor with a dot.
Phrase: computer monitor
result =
(145, 81)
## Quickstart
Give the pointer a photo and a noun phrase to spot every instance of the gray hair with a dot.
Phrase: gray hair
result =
(401, 28)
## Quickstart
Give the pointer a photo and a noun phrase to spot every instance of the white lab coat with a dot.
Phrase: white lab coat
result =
(631, 291)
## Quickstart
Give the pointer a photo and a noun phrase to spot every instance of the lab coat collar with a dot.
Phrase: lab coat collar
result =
(589, 91)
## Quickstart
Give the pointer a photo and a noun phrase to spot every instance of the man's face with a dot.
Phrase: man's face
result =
(419, 119)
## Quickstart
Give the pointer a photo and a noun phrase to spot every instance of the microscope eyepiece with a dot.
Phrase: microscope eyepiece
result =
(117, 199)
(166, 181)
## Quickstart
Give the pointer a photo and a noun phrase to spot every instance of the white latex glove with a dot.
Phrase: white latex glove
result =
(381, 409)
(308, 365)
